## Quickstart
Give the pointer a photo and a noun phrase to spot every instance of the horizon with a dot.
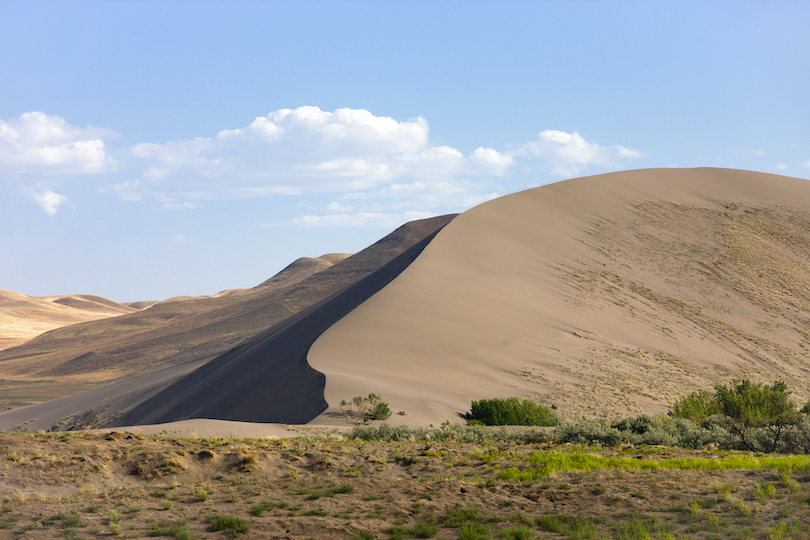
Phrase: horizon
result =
(158, 150)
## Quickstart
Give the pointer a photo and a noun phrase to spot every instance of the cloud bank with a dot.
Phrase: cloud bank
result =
(372, 168)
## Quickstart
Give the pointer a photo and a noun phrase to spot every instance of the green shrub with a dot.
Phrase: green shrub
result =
(697, 406)
(362, 409)
(380, 412)
(587, 432)
(511, 412)
(453, 432)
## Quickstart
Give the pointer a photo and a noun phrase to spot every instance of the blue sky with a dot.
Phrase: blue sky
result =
(157, 148)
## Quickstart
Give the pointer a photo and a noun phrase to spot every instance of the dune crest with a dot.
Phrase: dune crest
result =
(607, 296)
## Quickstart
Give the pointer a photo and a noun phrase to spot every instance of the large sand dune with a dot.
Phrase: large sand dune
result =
(265, 380)
(607, 296)
(184, 331)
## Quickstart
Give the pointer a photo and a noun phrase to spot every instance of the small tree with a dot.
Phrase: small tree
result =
(748, 405)
(696, 407)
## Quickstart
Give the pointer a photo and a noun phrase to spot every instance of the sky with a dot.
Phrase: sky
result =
(159, 148)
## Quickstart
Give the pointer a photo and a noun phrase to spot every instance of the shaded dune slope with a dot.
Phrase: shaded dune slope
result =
(245, 376)
(268, 379)
(607, 296)
(179, 332)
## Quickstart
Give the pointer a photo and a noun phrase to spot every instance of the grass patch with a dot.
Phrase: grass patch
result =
(176, 529)
(231, 525)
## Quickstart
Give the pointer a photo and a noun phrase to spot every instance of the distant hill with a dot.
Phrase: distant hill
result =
(23, 317)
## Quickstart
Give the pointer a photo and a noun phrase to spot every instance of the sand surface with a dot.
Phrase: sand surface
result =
(265, 380)
(606, 296)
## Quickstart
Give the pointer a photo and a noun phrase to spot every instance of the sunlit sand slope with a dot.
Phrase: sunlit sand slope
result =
(23, 317)
(606, 296)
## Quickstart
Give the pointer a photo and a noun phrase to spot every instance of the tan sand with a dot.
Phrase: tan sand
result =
(24, 317)
(607, 296)
(222, 429)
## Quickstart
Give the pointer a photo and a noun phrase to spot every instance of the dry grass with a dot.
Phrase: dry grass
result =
(84, 485)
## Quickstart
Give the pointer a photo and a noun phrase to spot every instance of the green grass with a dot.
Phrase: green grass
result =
(518, 533)
(177, 530)
(345, 488)
(231, 525)
(475, 531)
(545, 464)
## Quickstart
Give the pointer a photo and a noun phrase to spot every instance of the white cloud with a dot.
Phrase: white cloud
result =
(180, 238)
(360, 219)
(299, 151)
(375, 167)
(49, 201)
(782, 167)
(39, 143)
(492, 160)
(570, 154)
(807, 163)
(750, 152)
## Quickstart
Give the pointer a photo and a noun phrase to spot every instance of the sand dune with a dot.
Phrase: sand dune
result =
(607, 296)
(24, 317)
(82, 356)
(265, 380)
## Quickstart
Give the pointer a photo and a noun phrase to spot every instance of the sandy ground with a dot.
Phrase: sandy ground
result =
(607, 296)
(85, 485)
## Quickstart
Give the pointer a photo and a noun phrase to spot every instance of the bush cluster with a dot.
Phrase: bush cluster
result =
(510, 412)
(450, 432)
(363, 409)
(743, 416)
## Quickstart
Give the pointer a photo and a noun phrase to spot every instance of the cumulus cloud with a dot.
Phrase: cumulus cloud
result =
(782, 167)
(569, 154)
(39, 143)
(49, 201)
(373, 168)
(299, 151)
(807, 163)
